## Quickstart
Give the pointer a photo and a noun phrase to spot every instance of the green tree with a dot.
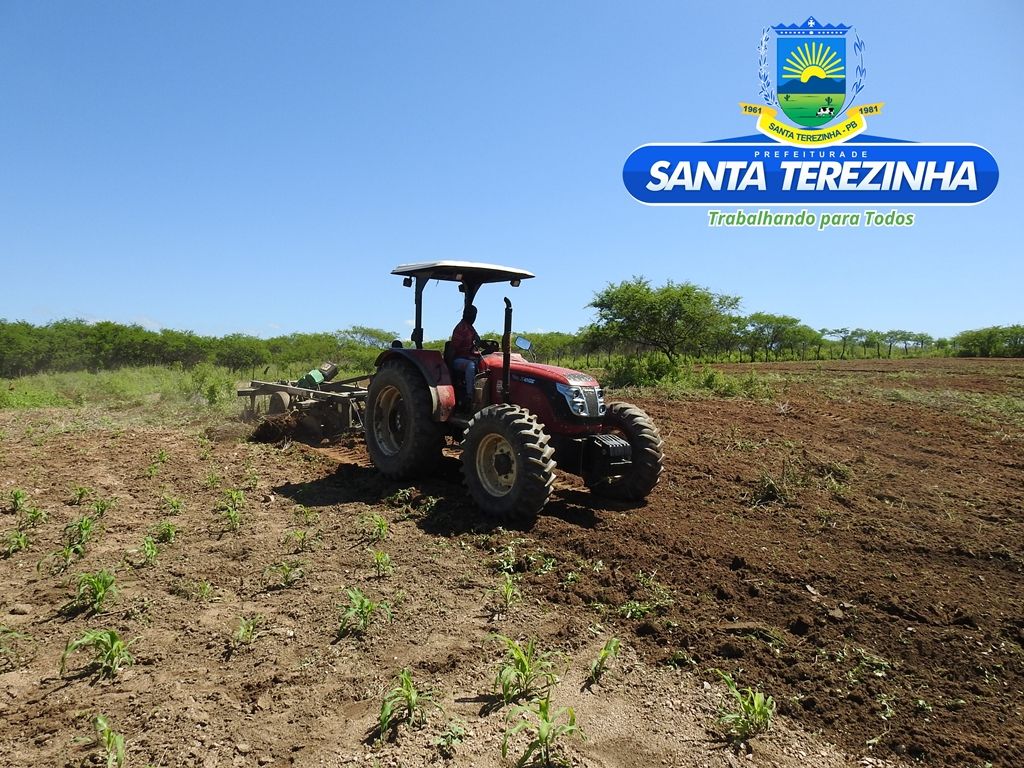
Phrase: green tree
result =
(239, 352)
(840, 334)
(768, 332)
(676, 318)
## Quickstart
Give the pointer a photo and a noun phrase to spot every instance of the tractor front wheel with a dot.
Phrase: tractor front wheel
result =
(636, 428)
(507, 462)
(402, 438)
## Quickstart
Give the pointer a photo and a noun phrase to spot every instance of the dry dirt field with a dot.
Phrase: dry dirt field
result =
(852, 546)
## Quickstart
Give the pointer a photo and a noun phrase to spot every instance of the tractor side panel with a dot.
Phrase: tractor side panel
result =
(435, 372)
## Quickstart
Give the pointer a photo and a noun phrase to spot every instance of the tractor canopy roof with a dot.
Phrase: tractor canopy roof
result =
(471, 272)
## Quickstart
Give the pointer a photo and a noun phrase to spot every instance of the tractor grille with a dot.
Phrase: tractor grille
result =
(590, 393)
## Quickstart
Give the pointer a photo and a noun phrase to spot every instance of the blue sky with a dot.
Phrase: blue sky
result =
(261, 167)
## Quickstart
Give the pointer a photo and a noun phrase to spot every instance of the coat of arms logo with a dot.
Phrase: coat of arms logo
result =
(818, 75)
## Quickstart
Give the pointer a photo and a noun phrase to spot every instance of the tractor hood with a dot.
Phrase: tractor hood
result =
(524, 370)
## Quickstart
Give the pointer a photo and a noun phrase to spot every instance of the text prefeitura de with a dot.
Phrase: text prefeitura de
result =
(857, 174)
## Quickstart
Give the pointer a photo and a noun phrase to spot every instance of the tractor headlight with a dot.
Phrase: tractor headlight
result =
(583, 401)
(575, 398)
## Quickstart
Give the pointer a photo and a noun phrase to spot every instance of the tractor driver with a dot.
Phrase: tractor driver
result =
(465, 348)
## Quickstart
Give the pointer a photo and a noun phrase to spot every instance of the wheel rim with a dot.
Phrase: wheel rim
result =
(389, 421)
(496, 465)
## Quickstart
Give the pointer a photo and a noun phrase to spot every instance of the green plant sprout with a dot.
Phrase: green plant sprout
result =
(165, 532)
(111, 742)
(79, 494)
(16, 542)
(608, 652)
(381, 562)
(751, 714)
(149, 550)
(545, 728)
(94, 589)
(524, 670)
(287, 573)
(110, 651)
(404, 703)
(357, 616)
(248, 631)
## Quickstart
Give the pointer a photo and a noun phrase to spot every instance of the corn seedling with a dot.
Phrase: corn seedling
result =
(161, 457)
(306, 516)
(751, 713)
(608, 652)
(165, 532)
(523, 671)
(79, 494)
(18, 498)
(111, 742)
(204, 448)
(248, 631)
(152, 470)
(110, 651)
(80, 530)
(100, 507)
(149, 550)
(9, 644)
(213, 480)
(287, 573)
(60, 559)
(357, 616)
(231, 508)
(381, 562)
(377, 528)
(544, 728)
(16, 542)
(233, 498)
(94, 589)
(232, 518)
(174, 505)
(448, 740)
(404, 703)
(32, 517)
(508, 593)
(301, 540)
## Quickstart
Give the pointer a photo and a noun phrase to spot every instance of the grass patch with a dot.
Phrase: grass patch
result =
(686, 381)
(163, 391)
(988, 408)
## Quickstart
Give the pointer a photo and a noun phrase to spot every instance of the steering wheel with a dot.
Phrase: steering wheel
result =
(489, 346)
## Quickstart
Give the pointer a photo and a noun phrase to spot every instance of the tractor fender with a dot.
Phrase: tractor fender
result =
(430, 363)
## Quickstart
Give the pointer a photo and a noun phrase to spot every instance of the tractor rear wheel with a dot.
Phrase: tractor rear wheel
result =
(507, 462)
(636, 428)
(402, 438)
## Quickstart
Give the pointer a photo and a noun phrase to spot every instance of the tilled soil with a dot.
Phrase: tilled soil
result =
(852, 547)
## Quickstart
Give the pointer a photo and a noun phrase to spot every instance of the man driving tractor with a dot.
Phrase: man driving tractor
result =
(465, 349)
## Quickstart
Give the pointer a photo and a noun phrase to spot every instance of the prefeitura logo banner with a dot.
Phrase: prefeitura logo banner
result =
(810, 77)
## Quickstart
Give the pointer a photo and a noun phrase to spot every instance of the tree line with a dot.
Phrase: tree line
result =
(77, 345)
(675, 321)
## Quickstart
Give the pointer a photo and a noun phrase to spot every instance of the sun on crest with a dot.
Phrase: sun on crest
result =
(813, 60)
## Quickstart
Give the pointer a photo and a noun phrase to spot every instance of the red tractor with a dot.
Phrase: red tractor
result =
(524, 417)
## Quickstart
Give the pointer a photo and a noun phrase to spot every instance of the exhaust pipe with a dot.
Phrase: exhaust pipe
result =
(506, 351)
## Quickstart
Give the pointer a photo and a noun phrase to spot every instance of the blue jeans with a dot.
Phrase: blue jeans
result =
(467, 364)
